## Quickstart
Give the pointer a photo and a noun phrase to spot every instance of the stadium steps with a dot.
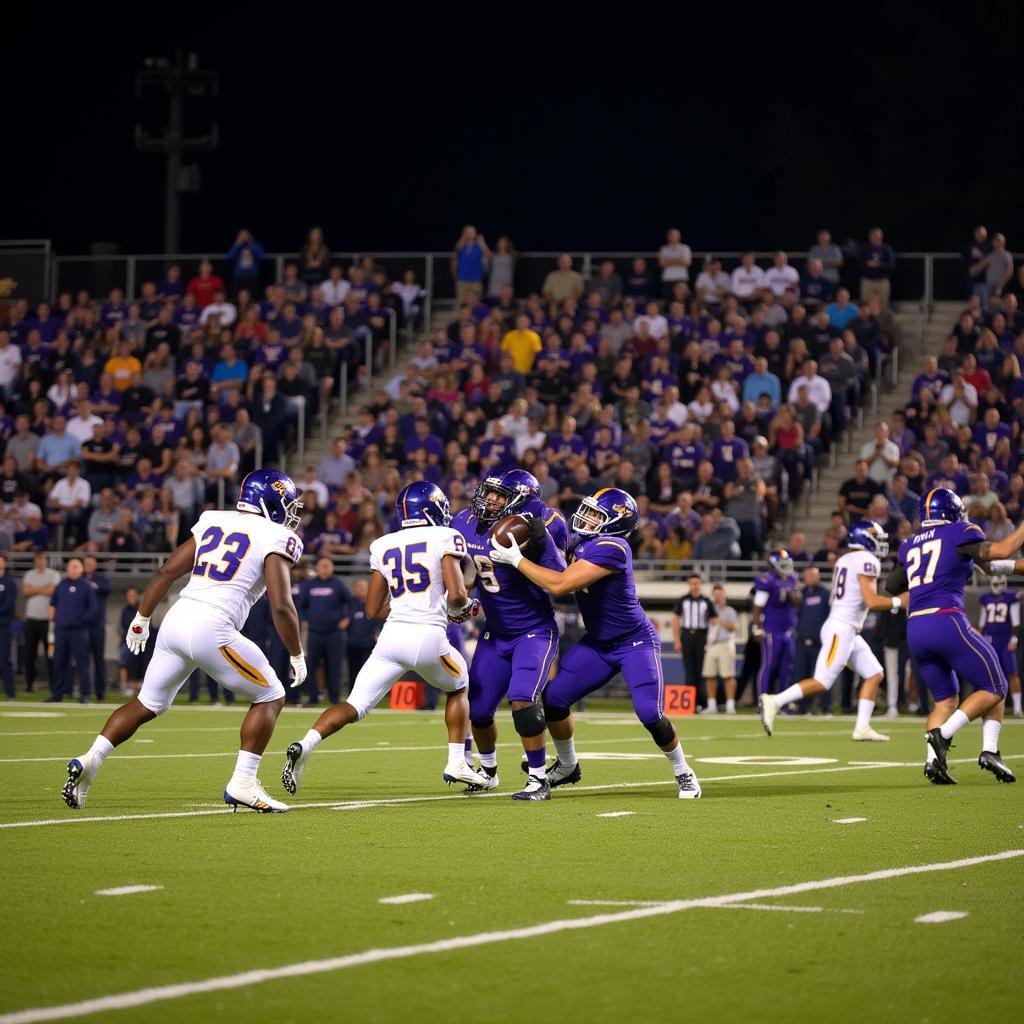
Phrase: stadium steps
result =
(921, 335)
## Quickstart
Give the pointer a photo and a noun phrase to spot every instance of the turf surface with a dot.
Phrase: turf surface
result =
(244, 891)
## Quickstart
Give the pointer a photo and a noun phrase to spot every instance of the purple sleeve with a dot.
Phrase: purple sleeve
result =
(609, 552)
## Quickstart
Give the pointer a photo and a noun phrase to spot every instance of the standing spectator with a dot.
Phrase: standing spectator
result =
(245, 256)
(607, 284)
(744, 502)
(269, 412)
(468, 262)
(976, 260)
(690, 629)
(882, 455)
(674, 258)
(326, 605)
(877, 265)
(999, 267)
(204, 285)
(362, 631)
(222, 462)
(810, 618)
(564, 282)
(523, 345)
(829, 255)
(502, 267)
(315, 258)
(72, 610)
(720, 653)
(8, 600)
(10, 365)
(38, 586)
(98, 623)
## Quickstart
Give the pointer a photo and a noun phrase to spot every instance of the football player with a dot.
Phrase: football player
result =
(231, 558)
(776, 597)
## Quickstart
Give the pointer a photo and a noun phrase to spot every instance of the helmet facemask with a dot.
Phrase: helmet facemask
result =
(589, 519)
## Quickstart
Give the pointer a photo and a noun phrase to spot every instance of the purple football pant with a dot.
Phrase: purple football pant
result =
(517, 666)
(946, 646)
(777, 653)
(456, 638)
(589, 665)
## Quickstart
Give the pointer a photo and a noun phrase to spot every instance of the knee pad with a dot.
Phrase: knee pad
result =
(529, 721)
(661, 731)
(553, 713)
(482, 723)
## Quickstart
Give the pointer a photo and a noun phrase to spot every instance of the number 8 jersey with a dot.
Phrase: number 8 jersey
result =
(410, 562)
(230, 550)
(937, 572)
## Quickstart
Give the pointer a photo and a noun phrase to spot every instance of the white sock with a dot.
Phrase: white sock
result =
(677, 759)
(457, 752)
(101, 746)
(1015, 697)
(790, 694)
(953, 724)
(246, 766)
(864, 709)
(730, 704)
(311, 741)
(990, 734)
(489, 760)
(565, 751)
(712, 703)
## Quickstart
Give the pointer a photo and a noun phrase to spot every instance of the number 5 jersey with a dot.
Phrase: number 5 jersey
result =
(230, 550)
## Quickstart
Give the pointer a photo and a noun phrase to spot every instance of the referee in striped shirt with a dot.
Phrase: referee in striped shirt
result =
(693, 612)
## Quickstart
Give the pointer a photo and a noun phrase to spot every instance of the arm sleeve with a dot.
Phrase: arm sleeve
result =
(1001, 567)
(760, 598)
(896, 582)
(1015, 614)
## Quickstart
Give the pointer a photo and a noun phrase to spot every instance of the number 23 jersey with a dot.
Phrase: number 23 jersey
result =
(410, 562)
(936, 571)
(230, 550)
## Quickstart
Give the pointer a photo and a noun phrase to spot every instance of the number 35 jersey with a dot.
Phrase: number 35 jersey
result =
(230, 550)
(410, 562)
(848, 604)
(936, 571)
(512, 604)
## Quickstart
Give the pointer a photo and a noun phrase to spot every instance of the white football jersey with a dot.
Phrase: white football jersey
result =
(230, 550)
(847, 602)
(410, 562)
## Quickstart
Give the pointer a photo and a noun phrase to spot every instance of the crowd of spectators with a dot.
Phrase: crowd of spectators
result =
(963, 424)
(121, 419)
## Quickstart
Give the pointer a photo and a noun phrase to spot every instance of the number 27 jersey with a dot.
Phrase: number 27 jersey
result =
(410, 562)
(936, 571)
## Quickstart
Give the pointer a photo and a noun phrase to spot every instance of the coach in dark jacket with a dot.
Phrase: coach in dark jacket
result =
(810, 618)
(8, 599)
(326, 605)
(72, 612)
(98, 627)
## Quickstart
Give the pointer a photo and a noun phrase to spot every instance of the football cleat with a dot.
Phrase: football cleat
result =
(461, 772)
(484, 783)
(558, 773)
(865, 732)
(81, 772)
(252, 794)
(939, 745)
(689, 787)
(992, 761)
(768, 708)
(892, 713)
(939, 776)
(294, 765)
(536, 788)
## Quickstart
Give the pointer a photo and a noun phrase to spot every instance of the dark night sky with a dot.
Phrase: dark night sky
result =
(596, 132)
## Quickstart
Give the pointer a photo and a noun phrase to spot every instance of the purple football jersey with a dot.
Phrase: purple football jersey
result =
(609, 607)
(936, 571)
(512, 604)
(554, 521)
(779, 613)
(1001, 616)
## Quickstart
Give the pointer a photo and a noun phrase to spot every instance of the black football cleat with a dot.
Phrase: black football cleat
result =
(940, 745)
(536, 788)
(558, 773)
(939, 776)
(992, 761)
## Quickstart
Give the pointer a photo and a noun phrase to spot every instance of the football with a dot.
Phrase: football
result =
(514, 527)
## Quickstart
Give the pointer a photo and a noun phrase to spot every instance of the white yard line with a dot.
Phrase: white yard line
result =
(305, 968)
(128, 890)
(616, 814)
(849, 821)
(364, 804)
(408, 897)
(940, 917)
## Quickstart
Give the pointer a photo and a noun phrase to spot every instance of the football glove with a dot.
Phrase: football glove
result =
(466, 612)
(510, 555)
(298, 670)
(538, 537)
(138, 634)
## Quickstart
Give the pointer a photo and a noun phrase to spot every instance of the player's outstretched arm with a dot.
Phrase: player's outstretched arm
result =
(454, 583)
(277, 573)
(579, 575)
(180, 562)
(991, 550)
(876, 602)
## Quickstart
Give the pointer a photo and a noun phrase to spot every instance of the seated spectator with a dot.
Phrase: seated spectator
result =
(903, 502)
(35, 534)
(68, 505)
(960, 398)
(747, 279)
(815, 288)
(881, 455)
(841, 313)
(950, 475)
(269, 411)
(103, 521)
(856, 493)
(818, 389)
(762, 382)
(57, 450)
(744, 502)
(205, 285)
(563, 283)
(781, 277)
(718, 539)
(123, 366)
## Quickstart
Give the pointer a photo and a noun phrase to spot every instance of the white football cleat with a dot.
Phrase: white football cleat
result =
(295, 762)
(689, 787)
(461, 772)
(892, 713)
(865, 732)
(81, 771)
(484, 782)
(768, 707)
(252, 794)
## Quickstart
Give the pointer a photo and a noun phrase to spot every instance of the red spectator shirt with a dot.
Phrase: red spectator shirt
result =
(979, 380)
(203, 288)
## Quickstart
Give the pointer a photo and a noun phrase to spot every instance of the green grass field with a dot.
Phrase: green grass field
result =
(614, 901)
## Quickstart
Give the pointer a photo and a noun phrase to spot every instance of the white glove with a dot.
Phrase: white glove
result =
(897, 606)
(138, 634)
(999, 567)
(510, 555)
(298, 670)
